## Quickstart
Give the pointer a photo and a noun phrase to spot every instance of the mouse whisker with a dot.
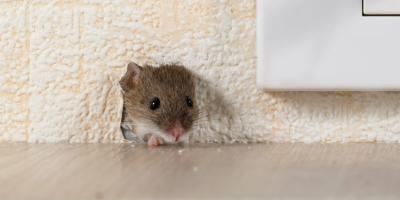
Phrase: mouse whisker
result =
(201, 115)
(199, 121)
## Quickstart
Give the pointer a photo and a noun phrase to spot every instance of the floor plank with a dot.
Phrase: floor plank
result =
(274, 171)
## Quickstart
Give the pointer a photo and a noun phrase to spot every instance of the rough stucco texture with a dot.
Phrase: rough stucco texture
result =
(60, 63)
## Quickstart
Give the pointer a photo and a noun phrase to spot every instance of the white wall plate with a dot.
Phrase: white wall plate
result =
(326, 45)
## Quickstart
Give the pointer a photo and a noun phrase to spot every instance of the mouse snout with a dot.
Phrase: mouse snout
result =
(176, 130)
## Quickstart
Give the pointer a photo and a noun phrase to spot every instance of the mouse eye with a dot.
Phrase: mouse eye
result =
(189, 101)
(155, 103)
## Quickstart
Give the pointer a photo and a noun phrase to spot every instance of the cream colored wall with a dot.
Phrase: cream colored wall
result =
(60, 62)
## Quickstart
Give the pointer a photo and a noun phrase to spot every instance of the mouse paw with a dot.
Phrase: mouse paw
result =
(154, 141)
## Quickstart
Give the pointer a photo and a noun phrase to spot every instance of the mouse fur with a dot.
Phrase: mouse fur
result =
(159, 103)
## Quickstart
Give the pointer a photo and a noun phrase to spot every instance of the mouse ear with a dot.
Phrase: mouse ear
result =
(131, 76)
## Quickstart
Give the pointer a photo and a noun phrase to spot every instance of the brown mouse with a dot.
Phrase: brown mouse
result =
(159, 103)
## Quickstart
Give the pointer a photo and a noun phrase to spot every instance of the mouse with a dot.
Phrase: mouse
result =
(159, 104)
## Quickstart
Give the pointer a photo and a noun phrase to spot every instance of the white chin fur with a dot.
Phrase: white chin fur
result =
(145, 127)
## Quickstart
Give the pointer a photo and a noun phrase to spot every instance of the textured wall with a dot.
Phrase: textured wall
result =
(60, 62)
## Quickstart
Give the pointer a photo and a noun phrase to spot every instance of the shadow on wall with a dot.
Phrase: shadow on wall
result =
(220, 121)
(342, 116)
(216, 114)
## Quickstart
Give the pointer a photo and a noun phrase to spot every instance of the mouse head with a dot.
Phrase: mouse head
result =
(160, 100)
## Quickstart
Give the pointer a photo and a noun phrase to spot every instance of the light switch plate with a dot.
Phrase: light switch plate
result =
(381, 7)
(326, 45)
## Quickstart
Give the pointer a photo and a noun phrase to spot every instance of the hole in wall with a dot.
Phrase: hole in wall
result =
(216, 121)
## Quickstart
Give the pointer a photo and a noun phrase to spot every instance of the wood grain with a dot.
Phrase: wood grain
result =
(274, 171)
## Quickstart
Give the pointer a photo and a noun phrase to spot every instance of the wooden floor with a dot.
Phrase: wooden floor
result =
(274, 171)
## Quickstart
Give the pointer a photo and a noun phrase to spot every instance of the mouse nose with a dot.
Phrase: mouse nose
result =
(176, 130)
